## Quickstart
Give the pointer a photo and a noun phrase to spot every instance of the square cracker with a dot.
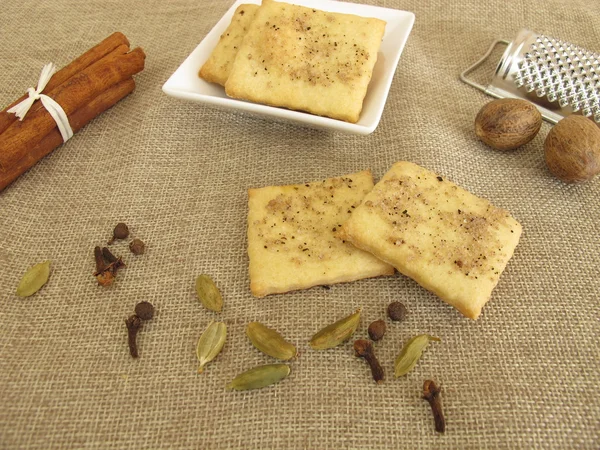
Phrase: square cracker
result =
(306, 59)
(291, 235)
(448, 240)
(216, 69)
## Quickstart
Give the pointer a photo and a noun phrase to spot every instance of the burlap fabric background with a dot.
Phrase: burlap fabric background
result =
(524, 375)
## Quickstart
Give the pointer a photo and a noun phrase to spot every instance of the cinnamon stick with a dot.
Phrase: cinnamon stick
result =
(78, 120)
(85, 60)
(21, 137)
(120, 50)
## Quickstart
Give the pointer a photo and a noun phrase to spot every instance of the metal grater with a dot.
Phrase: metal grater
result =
(558, 77)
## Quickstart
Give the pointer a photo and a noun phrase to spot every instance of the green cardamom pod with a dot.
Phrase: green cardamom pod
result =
(209, 293)
(210, 343)
(336, 333)
(34, 279)
(411, 353)
(269, 341)
(259, 377)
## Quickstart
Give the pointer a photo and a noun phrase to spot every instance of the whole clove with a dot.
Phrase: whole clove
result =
(104, 276)
(144, 310)
(99, 258)
(108, 256)
(107, 265)
(114, 263)
(364, 349)
(134, 324)
(121, 231)
(431, 393)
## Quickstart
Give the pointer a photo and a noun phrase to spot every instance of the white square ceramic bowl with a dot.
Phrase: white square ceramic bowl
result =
(186, 84)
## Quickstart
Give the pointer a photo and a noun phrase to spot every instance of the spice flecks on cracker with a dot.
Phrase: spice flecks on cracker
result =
(292, 241)
(448, 240)
(216, 69)
(306, 59)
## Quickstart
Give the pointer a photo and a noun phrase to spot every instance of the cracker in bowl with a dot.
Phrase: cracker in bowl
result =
(291, 235)
(216, 69)
(448, 240)
(306, 59)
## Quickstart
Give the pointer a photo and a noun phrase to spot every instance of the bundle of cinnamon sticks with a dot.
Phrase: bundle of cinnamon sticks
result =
(84, 89)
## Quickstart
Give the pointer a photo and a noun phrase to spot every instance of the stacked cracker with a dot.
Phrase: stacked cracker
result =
(298, 58)
(218, 66)
(448, 240)
(292, 241)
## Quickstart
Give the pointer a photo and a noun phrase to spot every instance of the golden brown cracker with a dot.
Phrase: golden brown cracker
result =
(306, 59)
(448, 240)
(291, 235)
(216, 69)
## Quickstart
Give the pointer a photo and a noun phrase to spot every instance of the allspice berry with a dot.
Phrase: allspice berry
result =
(396, 311)
(120, 232)
(572, 149)
(507, 123)
(137, 247)
(376, 330)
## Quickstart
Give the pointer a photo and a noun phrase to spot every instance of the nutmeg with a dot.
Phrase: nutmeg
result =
(507, 123)
(572, 149)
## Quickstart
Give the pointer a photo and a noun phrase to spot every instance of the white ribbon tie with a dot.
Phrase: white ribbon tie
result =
(55, 110)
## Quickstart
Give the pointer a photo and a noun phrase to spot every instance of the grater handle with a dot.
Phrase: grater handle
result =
(463, 76)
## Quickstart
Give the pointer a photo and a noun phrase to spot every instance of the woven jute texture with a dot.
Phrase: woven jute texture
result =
(525, 375)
